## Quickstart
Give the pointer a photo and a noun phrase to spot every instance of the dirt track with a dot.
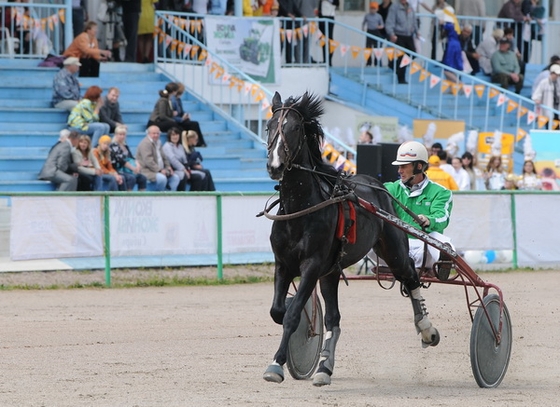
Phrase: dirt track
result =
(208, 346)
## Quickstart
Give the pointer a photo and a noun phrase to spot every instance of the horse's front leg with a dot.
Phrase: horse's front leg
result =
(329, 290)
(281, 285)
(275, 371)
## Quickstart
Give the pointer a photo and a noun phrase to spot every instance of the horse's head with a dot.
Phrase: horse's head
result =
(290, 129)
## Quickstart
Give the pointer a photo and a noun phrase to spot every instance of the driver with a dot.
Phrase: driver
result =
(430, 201)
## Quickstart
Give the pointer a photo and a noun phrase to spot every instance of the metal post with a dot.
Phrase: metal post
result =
(68, 32)
(544, 40)
(219, 237)
(514, 232)
(107, 237)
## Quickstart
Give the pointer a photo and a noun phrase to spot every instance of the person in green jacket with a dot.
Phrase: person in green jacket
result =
(430, 201)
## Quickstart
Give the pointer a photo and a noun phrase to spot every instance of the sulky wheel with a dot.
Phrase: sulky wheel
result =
(489, 360)
(304, 347)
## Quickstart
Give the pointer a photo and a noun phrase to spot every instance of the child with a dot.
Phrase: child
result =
(373, 24)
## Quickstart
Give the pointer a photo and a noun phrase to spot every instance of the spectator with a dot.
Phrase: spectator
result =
(218, 8)
(548, 94)
(487, 48)
(194, 162)
(460, 175)
(475, 175)
(183, 118)
(59, 167)
(110, 111)
(327, 10)
(452, 55)
(510, 183)
(89, 171)
(508, 33)
(401, 27)
(438, 32)
(110, 178)
(494, 176)
(365, 137)
(466, 41)
(439, 176)
(130, 17)
(436, 148)
(289, 10)
(146, 30)
(505, 67)
(545, 73)
(529, 180)
(66, 87)
(153, 163)
(84, 117)
(473, 8)
(86, 48)
(383, 11)
(373, 24)
(444, 161)
(124, 162)
(512, 10)
(308, 9)
(177, 157)
(79, 16)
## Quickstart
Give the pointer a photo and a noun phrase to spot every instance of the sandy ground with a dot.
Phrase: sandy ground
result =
(209, 346)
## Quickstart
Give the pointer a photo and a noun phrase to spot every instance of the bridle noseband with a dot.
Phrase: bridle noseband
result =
(284, 110)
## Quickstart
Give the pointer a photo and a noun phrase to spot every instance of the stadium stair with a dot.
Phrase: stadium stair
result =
(30, 126)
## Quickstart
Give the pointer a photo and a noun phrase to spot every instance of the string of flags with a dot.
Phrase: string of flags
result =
(27, 22)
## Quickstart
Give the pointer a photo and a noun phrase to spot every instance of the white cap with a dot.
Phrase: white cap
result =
(72, 61)
(411, 151)
(555, 69)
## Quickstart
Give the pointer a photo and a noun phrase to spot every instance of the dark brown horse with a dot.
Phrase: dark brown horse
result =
(309, 246)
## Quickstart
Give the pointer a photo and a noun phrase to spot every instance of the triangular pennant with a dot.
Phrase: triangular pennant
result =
(531, 116)
(289, 35)
(62, 16)
(333, 45)
(501, 99)
(423, 75)
(434, 80)
(355, 50)
(415, 67)
(390, 53)
(520, 134)
(367, 54)
(194, 50)
(479, 89)
(260, 96)
(312, 28)
(399, 53)
(203, 55)
(445, 84)
(305, 30)
(341, 160)
(168, 40)
(405, 61)
(343, 49)
(467, 89)
(298, 33)
(522, 111)
(226, 77)
(187, 50)
(555, 124)
(51, 23)
(542, 121)
(511, 106)
(378, 52)
(493, 92)
(174, 44)
(455, 88)
(265, 104)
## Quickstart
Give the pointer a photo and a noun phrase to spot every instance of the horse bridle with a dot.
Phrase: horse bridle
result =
(284, 110)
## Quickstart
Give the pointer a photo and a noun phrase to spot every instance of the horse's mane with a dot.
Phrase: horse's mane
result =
(310, 107)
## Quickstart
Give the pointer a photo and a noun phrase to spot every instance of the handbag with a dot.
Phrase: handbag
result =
(132, 161)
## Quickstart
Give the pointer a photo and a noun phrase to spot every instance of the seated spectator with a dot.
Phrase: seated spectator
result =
(84, 117)
(508, 33)
(487, 48)
(162, 115)
(494, 176)
(460, 175)
(194, 161)
(89, 171)
(184, 118)
(466, 41)
(59, 167)
(124, 162)
(110, 111)
(548, 94)
(86, 48)
(505, 67)
(153, 162)
(110, 178)
(177, 157)
(439, 176)
(66, 88)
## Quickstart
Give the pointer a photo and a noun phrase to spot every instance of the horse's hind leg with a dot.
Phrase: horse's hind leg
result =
(329, 290)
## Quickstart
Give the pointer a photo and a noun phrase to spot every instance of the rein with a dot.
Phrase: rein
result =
(284, 110)
(307, 211)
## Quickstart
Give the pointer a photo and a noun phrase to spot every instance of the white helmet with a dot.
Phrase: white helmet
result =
(411, 151)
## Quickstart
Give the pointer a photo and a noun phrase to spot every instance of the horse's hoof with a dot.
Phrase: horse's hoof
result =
(321, 379)
(274, 374)
(434, 339)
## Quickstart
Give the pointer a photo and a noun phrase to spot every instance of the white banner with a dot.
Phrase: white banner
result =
(166, 225)
(55, 227)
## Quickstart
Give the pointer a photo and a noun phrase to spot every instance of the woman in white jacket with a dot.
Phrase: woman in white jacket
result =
(547, 94)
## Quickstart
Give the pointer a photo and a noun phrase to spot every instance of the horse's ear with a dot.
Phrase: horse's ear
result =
(276, 101)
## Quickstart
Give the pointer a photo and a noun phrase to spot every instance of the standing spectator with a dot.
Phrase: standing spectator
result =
(452, 56)
(66, 87)
(460, 175)
(89, 171)
(130, 17)
(545, 73)
(59, 167)
(79, 16)
(365, 137)
(153, 163)
(218, 7)
(529, 180)
(373, 24)
(494, 176)
(473, 8)
(327, 10)
(124, 162)
(110, 178)
(548, 94)
(289, 10)
(475, 175)
(437, 25)
(182, 117)
(466, 41)
(201, 178)
(487, 48)
(512, 10)
(439, 176)
(110, 111)
(401, 27)
(505, 67)
(84, 117)
(146, 30)
(86, 48)
(383, 11)
(308, 9)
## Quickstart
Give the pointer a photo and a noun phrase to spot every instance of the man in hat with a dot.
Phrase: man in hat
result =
(505, 67)
(66, 88)
(547, 94)
(487, 48)
(436, 174)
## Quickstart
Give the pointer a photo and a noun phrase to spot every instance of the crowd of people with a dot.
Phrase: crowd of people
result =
(87, 158)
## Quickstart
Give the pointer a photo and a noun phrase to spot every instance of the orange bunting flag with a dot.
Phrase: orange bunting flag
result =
(268, 114)
(423, 75)
(405, 60)
(445, 84)
(355, 50)
(455, 88)
(333, 45)
(174, 44)
(501, 99)
(434, 80)
(161, 37)
(415, 67)
(520, 134)
(522, 111)
(479, 89)
(322, 41)
(390, 53)
(467, 89)
(367, 54)
(493, 92)
(203, 55)
(219, 72)
(511, 106)
(399, 53)
(62, 16)
(542, 121)
(254, 89)
(312, 28)
(555, 124)
(180, 48)
(213, 67)
(260, 96)
(194, 50)
(531, 116)
(299, 33)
